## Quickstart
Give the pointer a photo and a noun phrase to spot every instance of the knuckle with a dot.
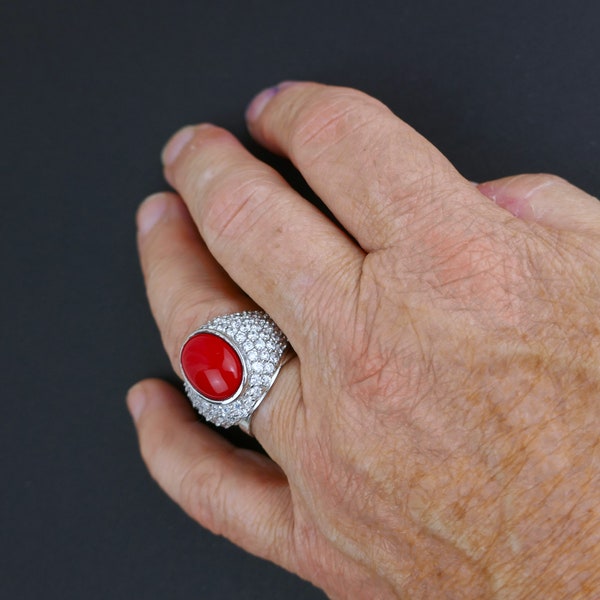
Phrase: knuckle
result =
(154, 439)
(201, 495)
(234, 202)
(329, 118)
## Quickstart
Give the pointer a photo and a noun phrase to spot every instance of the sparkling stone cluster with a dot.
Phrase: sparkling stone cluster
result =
(260, 345)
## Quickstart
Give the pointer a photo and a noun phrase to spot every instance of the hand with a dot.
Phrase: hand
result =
(437, 435)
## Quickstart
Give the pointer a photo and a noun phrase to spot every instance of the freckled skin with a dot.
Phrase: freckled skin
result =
(437, 435)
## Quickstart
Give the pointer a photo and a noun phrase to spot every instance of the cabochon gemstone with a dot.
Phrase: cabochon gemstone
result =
(212, 366)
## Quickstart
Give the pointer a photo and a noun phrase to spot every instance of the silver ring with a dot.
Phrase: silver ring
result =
(230, 364)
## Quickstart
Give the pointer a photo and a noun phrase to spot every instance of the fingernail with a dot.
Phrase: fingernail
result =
(136, 401)
(150, 212)
(176, 144)
(260, 101)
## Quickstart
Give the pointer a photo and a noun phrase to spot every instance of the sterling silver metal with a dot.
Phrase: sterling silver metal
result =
(263, 349)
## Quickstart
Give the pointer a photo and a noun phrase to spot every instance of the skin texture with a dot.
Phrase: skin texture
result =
(437, 435)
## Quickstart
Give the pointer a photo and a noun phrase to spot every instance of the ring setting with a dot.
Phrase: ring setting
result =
(230, 364)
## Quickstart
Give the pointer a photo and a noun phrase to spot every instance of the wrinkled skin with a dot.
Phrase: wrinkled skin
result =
(437, 435)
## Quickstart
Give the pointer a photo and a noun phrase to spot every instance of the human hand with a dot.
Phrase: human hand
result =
(438, 433)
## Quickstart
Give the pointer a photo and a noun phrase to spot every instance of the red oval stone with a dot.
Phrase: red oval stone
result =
(212, 366)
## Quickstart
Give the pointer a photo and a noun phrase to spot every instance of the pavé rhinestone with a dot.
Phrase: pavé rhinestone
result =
(217, 392)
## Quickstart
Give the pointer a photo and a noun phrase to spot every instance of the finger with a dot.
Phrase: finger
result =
(376, 174)
(545, 199)
(274, 244)
(232, 492)
(186, 288)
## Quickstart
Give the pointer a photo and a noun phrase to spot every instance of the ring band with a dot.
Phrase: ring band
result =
(230, 364)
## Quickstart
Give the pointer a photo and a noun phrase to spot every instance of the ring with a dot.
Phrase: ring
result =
(230, 364)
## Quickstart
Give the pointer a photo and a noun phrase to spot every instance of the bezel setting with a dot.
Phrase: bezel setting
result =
(262, 349)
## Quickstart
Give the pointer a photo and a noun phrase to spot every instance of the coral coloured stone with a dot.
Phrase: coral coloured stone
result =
(212, 366)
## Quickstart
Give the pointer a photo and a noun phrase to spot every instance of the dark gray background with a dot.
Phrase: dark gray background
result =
(90, 92)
